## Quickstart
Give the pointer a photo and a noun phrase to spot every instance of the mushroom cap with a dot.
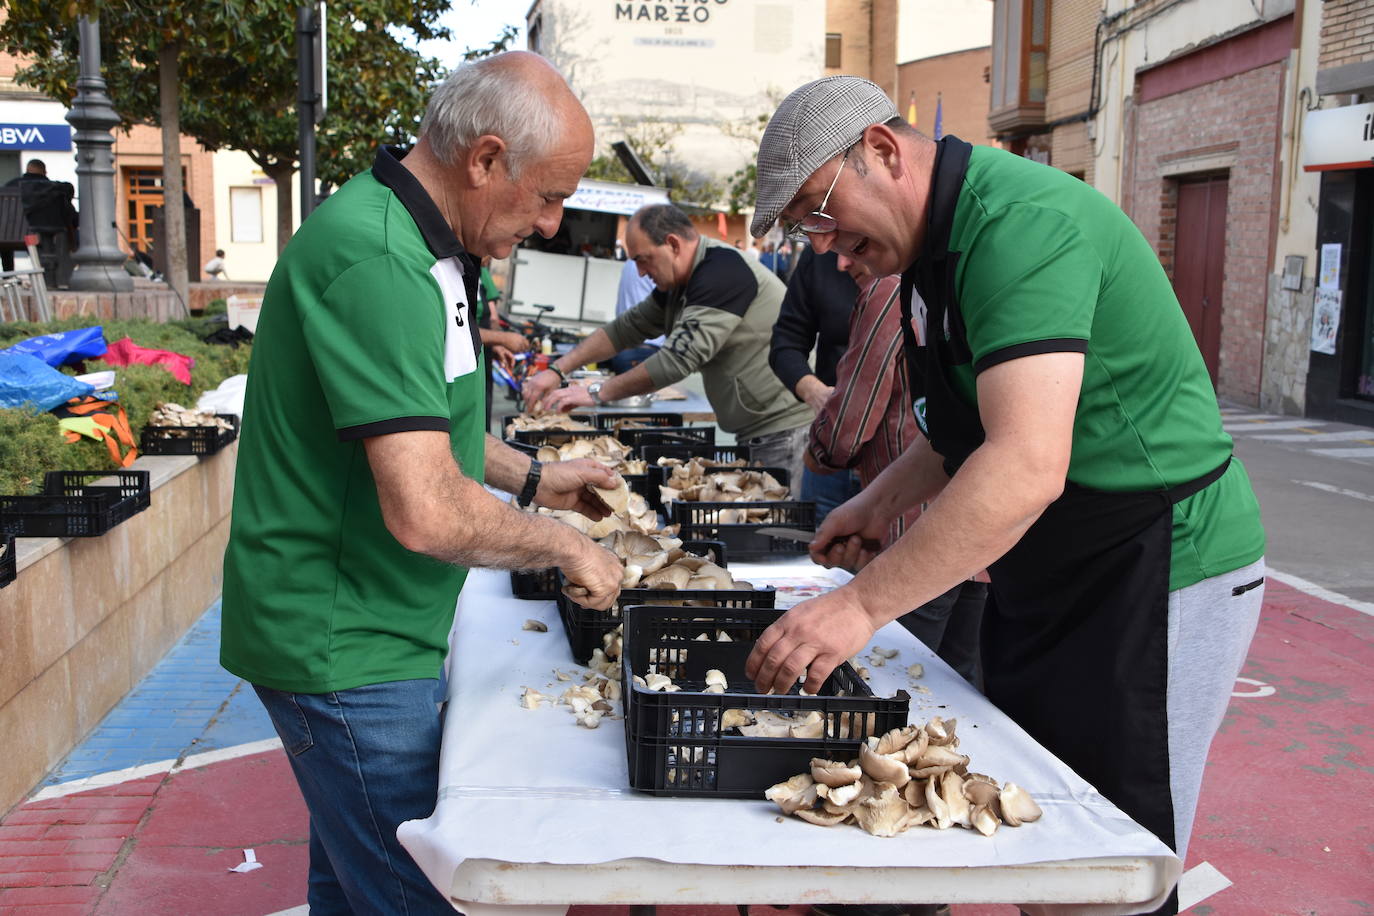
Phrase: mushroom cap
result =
(674, 577)
(913, 751)
(979, 793)
(952, 791)
(839, 796)
(883, 814)
(822, 817)
(983, 819)
(833, 773)
(882, 768)
(1017, 806)
(716, 676)
(897, 739)
(793, 795)
(941, 732)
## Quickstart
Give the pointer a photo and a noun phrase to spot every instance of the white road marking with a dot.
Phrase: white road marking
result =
(304, 910)
(1347, 435)
(1344, 452)
(1329, 488)
(1317, 591)
(1198, 883)
(1265, 427)
(1262, 690)
(128, 774)
(1231, 417)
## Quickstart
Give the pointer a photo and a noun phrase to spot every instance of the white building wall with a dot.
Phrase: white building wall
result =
(1173, 30)
(702, 64)
(246, 260)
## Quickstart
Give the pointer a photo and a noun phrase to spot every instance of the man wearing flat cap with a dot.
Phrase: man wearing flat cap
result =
(1074, 448)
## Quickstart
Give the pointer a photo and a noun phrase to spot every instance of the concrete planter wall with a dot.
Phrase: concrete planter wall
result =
(88, 617)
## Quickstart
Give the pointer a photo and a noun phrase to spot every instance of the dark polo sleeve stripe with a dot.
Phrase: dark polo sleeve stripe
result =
(1031, 348)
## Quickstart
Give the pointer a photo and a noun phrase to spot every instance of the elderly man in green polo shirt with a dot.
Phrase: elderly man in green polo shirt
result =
(358, 503)
(1074, 449)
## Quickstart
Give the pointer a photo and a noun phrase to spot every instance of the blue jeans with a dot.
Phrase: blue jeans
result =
(828, 490)
(950, 625)
(626, 360)
(365, 759)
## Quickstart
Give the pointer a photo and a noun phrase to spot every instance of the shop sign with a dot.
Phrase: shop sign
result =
(1338, 138)
(35, 137)
(683, 11)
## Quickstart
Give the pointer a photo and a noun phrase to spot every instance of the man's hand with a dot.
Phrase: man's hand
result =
(814, 391)
(516, 343)
(851, 536)
(812, 639)
(504, 357)
(594, 577)
(563, 485)
(538, 386)
(568, 399)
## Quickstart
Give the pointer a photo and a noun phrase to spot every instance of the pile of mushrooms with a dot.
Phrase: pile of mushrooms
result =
(695, 481)
(170, 414)
(907, 777)
(608, 450)
(658, 561)
(629, 512)
(587, 702)
(553, 420)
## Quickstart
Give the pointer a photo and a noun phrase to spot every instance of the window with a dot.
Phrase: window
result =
(832, 50)
(1020, 64)
(245, 214)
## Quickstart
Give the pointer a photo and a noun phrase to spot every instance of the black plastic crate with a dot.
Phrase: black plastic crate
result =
(9, 562)
(587, 418)
(702, 520)
(674, 742)
(188, 440)
(585, 626)
(658, 476)
(534, 584)
(609, 421)
(668, 435)
(652, 451)
(73, 505)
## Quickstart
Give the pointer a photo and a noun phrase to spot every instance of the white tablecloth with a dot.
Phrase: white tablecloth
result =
(530, 786)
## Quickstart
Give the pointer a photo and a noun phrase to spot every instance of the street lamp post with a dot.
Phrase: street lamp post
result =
(99, 264)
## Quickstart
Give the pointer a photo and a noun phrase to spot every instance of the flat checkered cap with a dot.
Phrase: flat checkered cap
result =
(820, 120)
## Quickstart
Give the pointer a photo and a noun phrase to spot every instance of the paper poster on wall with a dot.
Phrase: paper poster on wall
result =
(1329, 277)
(1326, 318)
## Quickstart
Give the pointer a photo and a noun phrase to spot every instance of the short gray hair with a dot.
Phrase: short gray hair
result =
(658, 221)
(483, 97)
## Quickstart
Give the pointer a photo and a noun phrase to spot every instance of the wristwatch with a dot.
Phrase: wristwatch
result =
(594, 389)
(531, 485)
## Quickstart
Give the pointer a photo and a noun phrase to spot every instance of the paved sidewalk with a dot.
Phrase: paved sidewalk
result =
(148, 816)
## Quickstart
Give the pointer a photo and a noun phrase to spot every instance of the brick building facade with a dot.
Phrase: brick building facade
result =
(1214, 115)
(958, 81)
(861, 40)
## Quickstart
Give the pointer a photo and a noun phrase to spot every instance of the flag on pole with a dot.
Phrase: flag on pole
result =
(911, 109)
(939, 117)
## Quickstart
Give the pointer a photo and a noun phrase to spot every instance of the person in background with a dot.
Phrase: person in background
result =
(769, 257)
(815, 316)
(865, 424)
(716, 308)
(634, 288)
(214, 268)
(50, 214)
(499, 346)
(359, 503)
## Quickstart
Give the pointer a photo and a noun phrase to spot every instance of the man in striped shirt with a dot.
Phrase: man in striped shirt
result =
(868, 422)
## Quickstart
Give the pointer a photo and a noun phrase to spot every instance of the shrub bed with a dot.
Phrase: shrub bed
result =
(31, 443)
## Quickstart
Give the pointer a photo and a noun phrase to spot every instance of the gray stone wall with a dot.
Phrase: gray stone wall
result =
(1287, 341)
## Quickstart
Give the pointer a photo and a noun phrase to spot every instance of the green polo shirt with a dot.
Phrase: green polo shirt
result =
(366, 330)
(1048, 264)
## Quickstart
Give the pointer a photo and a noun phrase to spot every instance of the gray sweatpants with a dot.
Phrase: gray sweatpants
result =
(1211, 624)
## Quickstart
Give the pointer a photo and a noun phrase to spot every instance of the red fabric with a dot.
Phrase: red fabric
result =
(127, 353)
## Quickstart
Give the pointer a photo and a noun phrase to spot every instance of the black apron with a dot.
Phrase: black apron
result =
(1075, 632)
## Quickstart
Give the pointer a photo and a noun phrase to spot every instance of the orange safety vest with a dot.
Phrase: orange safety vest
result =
(116, 426)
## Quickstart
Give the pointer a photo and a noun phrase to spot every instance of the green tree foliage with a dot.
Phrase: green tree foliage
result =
(238, 72)
(652, 140)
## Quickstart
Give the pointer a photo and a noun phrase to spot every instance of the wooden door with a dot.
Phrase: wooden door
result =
(142, 189)
(1200, 262)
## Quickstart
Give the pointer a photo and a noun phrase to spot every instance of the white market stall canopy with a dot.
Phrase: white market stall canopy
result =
(614, 197)
(1338, 138)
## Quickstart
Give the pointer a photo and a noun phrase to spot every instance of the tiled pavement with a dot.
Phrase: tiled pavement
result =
(1283, 826)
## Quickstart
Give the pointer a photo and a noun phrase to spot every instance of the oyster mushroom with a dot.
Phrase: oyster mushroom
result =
(952, 792)
(822, 817)
(716, 678)
(882, 768)
(672, 577)
(939, 811)
(833, 773)
(531, 698)
(839, 796)
(913, 751)
(885, 653)
(884, 814)
(657, 682)
(897, 739)
(812, 726)
(983, 819)
(537, 626)
(795, 794)
(1017, 806)
(941, 732)
(735, 718)
(937, 759)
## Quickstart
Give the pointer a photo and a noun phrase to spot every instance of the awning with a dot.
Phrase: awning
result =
(613, 197)
(1338, 138)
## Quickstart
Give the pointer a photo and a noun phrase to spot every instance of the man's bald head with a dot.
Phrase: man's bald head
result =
(517, 96)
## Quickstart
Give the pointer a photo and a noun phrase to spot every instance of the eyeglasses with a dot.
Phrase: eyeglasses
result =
(817, 222)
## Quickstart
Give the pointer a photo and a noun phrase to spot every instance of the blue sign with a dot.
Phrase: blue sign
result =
(36, 136)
